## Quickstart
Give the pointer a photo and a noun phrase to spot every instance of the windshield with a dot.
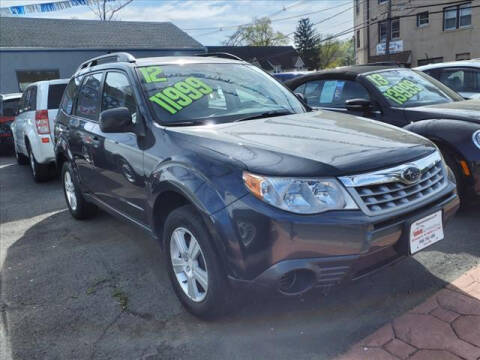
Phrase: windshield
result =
(406, 88)
(193, 93)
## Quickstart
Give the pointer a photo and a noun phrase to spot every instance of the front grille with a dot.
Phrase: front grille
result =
(385, 191)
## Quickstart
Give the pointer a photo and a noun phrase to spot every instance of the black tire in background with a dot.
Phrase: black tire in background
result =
(216, 301)
(40, 172)
(82, 209)
(21, 159)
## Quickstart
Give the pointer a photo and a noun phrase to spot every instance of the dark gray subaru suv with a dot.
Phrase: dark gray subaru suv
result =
(241, 184)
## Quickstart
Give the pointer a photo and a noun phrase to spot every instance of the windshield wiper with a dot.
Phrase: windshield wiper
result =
(266, 114)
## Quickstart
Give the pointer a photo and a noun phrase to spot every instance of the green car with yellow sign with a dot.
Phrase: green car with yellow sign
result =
(406, 98)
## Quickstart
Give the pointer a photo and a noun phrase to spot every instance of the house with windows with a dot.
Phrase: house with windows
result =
(422, 32)
(34, 49)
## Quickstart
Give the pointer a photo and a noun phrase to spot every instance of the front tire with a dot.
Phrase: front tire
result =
(77, 205)
(193, 266)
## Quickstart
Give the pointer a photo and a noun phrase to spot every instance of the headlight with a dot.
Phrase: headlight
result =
(476, 138)
(299, 195)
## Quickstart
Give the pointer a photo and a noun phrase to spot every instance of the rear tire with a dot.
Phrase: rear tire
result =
(77, 205)
(198, 278)
(40, 172)
(21, 159)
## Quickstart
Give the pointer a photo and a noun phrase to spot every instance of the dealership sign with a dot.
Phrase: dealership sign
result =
(395, 47)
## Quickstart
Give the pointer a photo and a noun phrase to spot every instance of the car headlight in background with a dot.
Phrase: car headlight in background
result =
(299, 195)
(476, 138)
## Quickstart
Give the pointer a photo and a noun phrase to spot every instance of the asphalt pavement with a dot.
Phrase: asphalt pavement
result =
(98, 289)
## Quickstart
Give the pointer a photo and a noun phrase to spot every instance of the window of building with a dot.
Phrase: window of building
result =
(462, 56)
(465, 15)
(423, 19)
(434, 60)
(395, 28)
(358, 38)
(382, 30)
(89, 96)
(459, 16)
(382, 1)
(26, 77)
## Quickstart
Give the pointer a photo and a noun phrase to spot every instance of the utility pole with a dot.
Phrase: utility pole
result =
(389, 29)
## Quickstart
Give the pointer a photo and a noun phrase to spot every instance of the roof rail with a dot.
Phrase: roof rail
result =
(223, 55)
(108, 58)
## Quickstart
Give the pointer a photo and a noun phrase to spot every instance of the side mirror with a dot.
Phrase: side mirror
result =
(359, 105)
(116, 120)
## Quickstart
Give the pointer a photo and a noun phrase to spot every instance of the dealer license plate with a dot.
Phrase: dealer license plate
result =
(426, 231)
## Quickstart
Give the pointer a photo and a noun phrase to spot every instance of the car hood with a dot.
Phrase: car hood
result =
(320, 143)
(468, 110)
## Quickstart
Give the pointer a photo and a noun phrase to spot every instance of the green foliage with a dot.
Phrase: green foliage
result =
(258, 33)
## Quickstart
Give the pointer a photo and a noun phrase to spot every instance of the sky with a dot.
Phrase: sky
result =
(212, 21)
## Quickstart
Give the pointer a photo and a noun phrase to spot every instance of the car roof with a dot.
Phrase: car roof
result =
(344, 73)
(10, 96)
(470, 63)
(164, 60)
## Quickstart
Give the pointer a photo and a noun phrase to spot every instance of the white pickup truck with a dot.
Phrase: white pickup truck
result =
(33, 126)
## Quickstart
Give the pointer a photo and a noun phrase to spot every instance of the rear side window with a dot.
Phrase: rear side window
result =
(333, 93)
(55, 93)
(29, 99)
(70, 94)
(89, 97)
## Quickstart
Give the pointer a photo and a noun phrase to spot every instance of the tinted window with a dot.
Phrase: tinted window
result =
(9, 107)
(467, 80)
(69, 95)
(333, 93)
(29, 99)
(89, 97)
(117, 92)
(55, 93)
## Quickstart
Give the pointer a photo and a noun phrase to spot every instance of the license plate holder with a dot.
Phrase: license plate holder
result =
(426, 231)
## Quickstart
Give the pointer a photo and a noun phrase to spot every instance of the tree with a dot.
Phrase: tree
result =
(347, 49)
(258, 33)
(329, 53)
(307, 43)
(105, 10)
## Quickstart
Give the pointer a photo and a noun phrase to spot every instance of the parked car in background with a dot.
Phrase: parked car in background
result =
(8, 109)
(240, 182)
(461, 76)
(408, 99)
(284, 76)
(33, 126)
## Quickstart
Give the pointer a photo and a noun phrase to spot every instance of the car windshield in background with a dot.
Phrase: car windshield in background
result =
(198, 93)
(406, 88)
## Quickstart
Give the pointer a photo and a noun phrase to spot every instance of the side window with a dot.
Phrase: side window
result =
(89, 96)
(117, 92)
(333, 93)
(461, 79)
(69, 95)
(29, 99)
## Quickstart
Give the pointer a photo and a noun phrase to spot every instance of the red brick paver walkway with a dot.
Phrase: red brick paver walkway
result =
(444, 327)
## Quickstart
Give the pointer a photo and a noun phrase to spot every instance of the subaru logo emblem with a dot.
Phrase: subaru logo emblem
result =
(411, 175)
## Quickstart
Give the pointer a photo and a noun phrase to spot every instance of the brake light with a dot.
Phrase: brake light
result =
(41, 120)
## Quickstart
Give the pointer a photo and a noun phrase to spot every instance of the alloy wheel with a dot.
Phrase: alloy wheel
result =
(189, 265)
(70, 191)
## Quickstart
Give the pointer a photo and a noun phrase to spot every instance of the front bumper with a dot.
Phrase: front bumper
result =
(321, 250)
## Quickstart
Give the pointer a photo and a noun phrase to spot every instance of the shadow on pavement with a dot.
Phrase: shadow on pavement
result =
(98, 289)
